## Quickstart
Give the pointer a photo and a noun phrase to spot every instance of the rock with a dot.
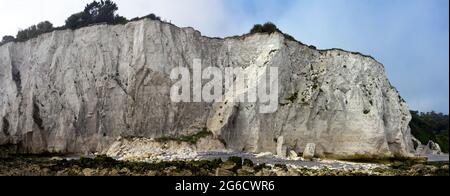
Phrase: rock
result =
(184, 173)
(77, 91)
(151, 173)
(114, 172)
(209, 144)
(309, 152)
(150, 150)
(293, 172)
(264, 155)
(171, 171)
(431, 148)
(124, 171)
(228, 165)
(245, 171)
(293, 155)
(56, 159)
(45, 171)
(280, 172)
(88, 172)
(224, 172)
(265, 172)
(63, 172)
(434, 148)
(281, 150)
(103, 172)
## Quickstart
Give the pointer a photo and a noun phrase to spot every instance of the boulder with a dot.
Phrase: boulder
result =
(431, 148)
(293, 155)
(264, 155)
(224, 172)
(281, 149)
(88, 172)
(309, 151)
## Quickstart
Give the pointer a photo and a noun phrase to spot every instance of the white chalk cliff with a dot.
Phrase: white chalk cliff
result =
(77, 91)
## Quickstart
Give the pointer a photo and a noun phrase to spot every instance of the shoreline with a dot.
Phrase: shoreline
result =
(17, 165)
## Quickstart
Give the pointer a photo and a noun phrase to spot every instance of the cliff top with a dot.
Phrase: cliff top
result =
(286, 36)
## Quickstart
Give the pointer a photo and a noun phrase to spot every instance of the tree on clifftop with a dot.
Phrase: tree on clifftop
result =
(44, 27)
(103, 11)
(96, 12)
(7, 39)
(268, 27)
(34, 31)
(76, 21)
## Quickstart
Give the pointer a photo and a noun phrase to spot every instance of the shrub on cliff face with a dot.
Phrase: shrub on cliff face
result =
(192, 139)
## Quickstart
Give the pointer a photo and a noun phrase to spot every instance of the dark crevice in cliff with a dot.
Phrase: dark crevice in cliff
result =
(120, 84)
(17, 78)
(37, 116)
(5, 126)
(116, 77)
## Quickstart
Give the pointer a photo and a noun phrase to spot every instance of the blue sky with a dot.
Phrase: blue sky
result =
(410, 37)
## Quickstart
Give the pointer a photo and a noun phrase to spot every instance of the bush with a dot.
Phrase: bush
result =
(76, 21)
(248, 162)
(7, 39)
(153, 17)
(270, 28)
(257, 29)
(102, 11)
(26, 34)
(96, 12)
(44, 27)
(150, 16)
(236, 160)
(34, 31)
(266, 28)
(120, 20)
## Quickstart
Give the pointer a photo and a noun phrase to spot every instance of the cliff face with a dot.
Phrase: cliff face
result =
(78, 91)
